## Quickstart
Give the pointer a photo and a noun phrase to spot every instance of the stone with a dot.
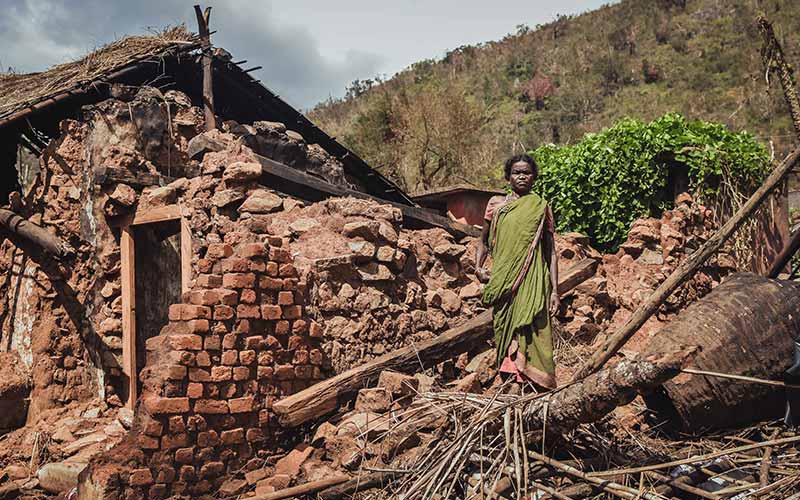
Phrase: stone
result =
(377, 400)
(203, 143)
(242, 172)
(58, 477)
(363, 251)
(262, 201)
(470, 290)
(17, 472)
(63, 435)
(161, 196)
(449, 301)
(450, 252)
(362, 229)
(650, 257)
(483, 365)
(270, 126)
(254, 476)
(301, 226)
(364, 423)
(398, 384)
(274, 483)
(290, 464)
(123, 195)
(372, 271)
(226, 197)
(325, 431)
(291, 134)
(388, 233)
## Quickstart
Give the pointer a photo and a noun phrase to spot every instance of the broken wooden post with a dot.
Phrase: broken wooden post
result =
(785, 256)
(205, 46)
(686, 270)
(322, 397)
(19, 226)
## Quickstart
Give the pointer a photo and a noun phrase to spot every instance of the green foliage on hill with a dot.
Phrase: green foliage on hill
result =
(602, 184)
(456, 119)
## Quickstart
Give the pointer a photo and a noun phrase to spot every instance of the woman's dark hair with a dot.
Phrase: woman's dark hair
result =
(521, 158)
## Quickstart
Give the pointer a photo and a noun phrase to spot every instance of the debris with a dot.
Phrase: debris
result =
(58, 477)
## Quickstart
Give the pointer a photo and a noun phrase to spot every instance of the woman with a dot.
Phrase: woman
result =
(522, 287)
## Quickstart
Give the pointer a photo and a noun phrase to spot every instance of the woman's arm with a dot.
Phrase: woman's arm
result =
(482, 252)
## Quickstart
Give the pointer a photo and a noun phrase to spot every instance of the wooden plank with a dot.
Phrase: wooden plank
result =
(307, 187)
(186, 255)
(576, 274)
(686, 269)
(160, 214)
(322, 397)
(208, 89)
(110, 175)
(128, 265)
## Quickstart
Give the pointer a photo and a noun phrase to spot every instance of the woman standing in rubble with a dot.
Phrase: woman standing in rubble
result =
(523, 283)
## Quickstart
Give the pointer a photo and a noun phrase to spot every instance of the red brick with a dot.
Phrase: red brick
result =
(265, 359)
(292, 312)
(285, 298)
(209, 280)
(220, 328)
(290, 284)
(211, 343)
(166, 474)
(187, 474)
(282, 327)
(198, 325)
(153, 428)
(304, 372)
(140, 477)
(176, 424)
(184, 455)
(229, 341)
(241, 373)
(272, 342)
(265, 372)
(284, 372)
(194, 390)
(272, 269)
(247, 357)
(203, 297)
(267, 283)
(299, 327)
(208, 438)
(223, 312)
(175, 372)
(205, 265)
(233, 436)
(158, 491)
(199, 375)
(230, 358)
(279, 255)
(254, 342)
(248, 311)
(175, 312)
(315, 330)
(235, 265)
(189, 311)
(211, 406)
(242, 405)
(202, 359)
(301, 357)
(248, 296)
(148, 442)
(287, 271)
(156, 405)
(172, 441)
(196, 423)
(242, 327)
(239, 280)
(295, 342)
(227, 297)
(316, 357)
(252, 250)
(221, 373)
(211, 470)
(270, 312)
(184, 342)
(219, 251)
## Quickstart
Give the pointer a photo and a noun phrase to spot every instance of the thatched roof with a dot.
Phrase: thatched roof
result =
(20, 91)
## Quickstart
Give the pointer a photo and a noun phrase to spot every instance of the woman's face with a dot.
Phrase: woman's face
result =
(521, 178)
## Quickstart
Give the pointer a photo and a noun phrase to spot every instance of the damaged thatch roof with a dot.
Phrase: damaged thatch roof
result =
(20, 91)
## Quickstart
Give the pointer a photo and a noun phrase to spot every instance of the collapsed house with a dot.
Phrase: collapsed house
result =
(171, 294)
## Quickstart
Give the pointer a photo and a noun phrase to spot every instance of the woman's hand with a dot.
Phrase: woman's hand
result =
(483, 274)
(555, 303)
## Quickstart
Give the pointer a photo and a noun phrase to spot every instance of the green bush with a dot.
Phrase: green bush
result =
(602, 184)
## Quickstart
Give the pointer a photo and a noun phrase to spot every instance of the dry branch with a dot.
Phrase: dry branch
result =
(303, 489)
(686, 269)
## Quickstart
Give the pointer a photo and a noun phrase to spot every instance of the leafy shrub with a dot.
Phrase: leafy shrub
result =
(602, 184)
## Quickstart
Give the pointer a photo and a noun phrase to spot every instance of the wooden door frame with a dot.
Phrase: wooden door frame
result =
(128, 270)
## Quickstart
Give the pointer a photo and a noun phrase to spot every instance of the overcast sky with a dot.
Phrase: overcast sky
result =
(310, 49)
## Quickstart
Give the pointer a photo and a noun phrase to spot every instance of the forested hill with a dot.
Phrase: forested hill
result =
(453, 120)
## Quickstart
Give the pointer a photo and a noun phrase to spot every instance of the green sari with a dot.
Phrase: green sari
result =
(519, 290)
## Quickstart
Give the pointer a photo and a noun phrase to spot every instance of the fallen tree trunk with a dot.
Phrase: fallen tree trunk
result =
(322, 398)
(35, 234)
(686, 270)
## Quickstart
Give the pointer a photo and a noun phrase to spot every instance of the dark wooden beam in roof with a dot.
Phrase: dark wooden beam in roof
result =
(291, 181)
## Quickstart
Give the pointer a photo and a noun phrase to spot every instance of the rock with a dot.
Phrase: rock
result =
(91, 413)
(650, 257)
(15, 384)
(301, 226)
(17, 472)
(470, 383)
(262, 201)
(362, 229)
(58, 477)
(683, 199)
(363, 251)
(226, 197)
(254, 476)
(484, 365)
(274, 483)
(372, 271)
(385, 254)
(63, 435)
(388, 233)
(290, 464)
(398, 384)
(577, 238)
(291, 134)
(160, 196)
(377, 400)
(425, 382)
(201, 144)
(592, 286)
(325, 431)
(123, 195)
(125, 417)
(267, 125)
(242, 172)
(450, 252)
(366, 424)
(232, 487)
(470, 290)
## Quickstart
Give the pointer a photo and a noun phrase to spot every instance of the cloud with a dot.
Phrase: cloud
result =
(36, 34)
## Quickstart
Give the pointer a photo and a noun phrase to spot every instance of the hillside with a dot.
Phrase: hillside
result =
(456, 119)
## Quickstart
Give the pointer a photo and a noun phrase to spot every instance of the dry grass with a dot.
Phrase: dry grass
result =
(20, 91)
